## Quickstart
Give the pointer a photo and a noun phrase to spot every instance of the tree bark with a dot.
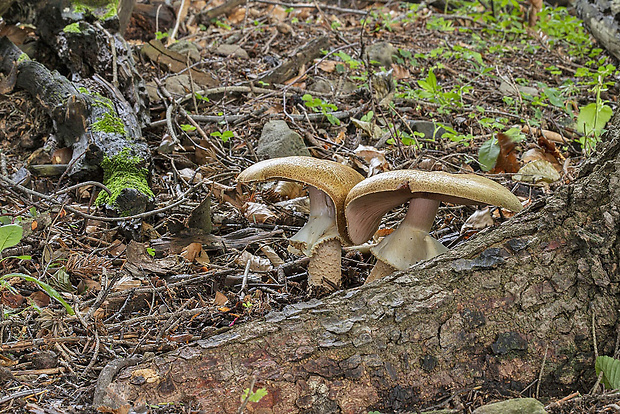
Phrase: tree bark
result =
(600, 16)
(517, 302)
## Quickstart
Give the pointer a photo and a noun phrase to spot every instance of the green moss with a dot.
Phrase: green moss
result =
(99, 100)
(23, 58)
(120, 172)
(100, 9)
(72, 28)
(109, 123)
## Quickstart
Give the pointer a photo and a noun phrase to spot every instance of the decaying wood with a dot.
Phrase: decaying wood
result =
(291, 66)
(600, 16)
(485, 314)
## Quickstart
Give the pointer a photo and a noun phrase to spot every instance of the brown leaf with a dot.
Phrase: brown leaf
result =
(507, 158)
(12, 300)
(191, 251)
(220, 299)
(40, 299)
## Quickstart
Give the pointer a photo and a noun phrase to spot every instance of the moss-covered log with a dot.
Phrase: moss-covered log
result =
(514, 304)
(101, 132)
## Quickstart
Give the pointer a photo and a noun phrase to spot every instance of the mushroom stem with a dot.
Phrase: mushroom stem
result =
(410, 242)
(324, 265)
(379, 271)
(421, 214)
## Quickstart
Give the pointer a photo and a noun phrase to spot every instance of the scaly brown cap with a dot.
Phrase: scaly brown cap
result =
(369, 200)
(332, 178)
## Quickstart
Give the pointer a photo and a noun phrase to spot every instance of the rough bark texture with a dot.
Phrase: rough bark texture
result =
(484, 314)
(601, 17)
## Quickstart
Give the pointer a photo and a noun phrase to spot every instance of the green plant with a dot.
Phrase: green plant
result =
(489, 151)
(160, 35)
(610, 367)
(150, 251)
(253, 396)
(224, 136)
(319, 105)
(10, 235)
(592, 119)
(187, 128)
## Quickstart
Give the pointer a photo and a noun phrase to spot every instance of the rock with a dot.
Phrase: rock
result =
(184, 47)
(428, 128)
(507, 89)
(381, 53)
(178, 84)
(328, 86)
(514, 406)
(232, 51)
(278, 140)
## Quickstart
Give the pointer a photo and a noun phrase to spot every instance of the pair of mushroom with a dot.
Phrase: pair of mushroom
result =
(346, 208)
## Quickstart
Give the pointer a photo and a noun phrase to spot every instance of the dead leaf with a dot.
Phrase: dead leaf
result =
(203, 258)
(257, 213)
(538, 154)
(272, 255)
(400, 72)
(237, 15)
(374, 157)
(257, 263)
(191, 251)
(220, 299)
(479, 220)
(550, 135)
(507, 158)
(537, 171)
(327, 65)
(147, 374)
(12, 300)
(40, 299)
(278, 14)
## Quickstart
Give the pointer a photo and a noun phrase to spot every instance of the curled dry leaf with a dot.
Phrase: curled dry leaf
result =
(550, 135)
(191, 176)
(537, 171)
(257, 213)
(272, 255)
(192, 251)
(289, 189)
(327, 65)
(375, 159)
(257, 263)
(479, 220)
(537, 154)
(507, 158)
(237, 15)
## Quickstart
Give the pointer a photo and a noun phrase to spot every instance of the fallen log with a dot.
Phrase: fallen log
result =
(516, 304)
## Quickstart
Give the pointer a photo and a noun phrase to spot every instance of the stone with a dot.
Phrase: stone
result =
(184, 47)
(278, 140)
(232, 51)
(381, 53)
(428, 128)
(514, 406)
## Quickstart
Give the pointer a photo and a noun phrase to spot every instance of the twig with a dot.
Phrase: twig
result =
(100, 218)
(247, 397)
(178, 22)
(21, 394)
(311, 6)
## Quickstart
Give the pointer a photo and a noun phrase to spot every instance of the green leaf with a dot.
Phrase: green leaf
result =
(593, 117)
(488, 153)
(255, 396)
(10, 235)
(187, 127)
(51, 292)
(611, 371)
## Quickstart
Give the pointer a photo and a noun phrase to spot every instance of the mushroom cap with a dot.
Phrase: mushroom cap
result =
(369, 200)
(332, 178)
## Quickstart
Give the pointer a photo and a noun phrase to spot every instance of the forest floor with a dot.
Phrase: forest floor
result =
(433, 86)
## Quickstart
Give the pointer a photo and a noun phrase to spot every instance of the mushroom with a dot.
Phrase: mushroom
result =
(324, 233)
(410, 243)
